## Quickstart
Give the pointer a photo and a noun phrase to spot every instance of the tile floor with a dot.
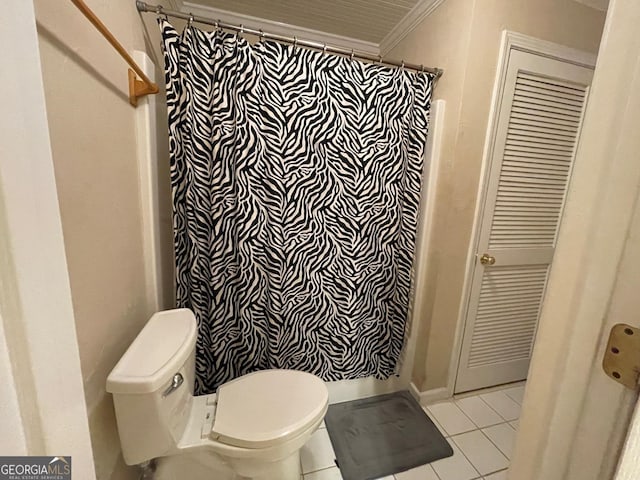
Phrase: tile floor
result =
(480, 428)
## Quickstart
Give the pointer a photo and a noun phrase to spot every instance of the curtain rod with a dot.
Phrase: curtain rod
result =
(159, 10)
(137, 88)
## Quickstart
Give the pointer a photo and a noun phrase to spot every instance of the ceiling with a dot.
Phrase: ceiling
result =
(360, 24)
(368, 20)
(372, 26)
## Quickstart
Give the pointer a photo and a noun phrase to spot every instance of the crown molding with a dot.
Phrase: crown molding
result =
(279, 27)
(411, 20)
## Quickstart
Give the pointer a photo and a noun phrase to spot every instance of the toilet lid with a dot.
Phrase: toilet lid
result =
(268, 407)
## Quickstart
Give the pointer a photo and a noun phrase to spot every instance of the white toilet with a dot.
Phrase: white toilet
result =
(253, 427)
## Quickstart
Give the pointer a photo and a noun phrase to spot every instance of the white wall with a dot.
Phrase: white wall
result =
(46, 395)
(463, 37)
(570, 411)
(95, 154)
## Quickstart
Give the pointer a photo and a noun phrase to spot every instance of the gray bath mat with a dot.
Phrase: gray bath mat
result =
(383, 435)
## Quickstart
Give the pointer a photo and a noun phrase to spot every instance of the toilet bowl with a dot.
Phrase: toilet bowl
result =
(253, 427)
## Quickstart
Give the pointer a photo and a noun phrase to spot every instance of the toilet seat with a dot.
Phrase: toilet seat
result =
(268, 407)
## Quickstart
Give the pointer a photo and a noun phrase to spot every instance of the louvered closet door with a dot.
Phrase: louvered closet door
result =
(537, 131)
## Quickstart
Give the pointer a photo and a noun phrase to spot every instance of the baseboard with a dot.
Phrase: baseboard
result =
(429, 396)
(415, 393)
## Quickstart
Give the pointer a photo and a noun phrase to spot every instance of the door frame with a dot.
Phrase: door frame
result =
(511, 41)
(629, 467)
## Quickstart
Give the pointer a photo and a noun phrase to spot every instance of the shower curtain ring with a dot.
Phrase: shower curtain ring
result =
(352, 55)
(190, 19)
(241, 29)
(295, 42)
(261, 35)
(402, 65)
(379, 59)
(324, 49)
(160, 12)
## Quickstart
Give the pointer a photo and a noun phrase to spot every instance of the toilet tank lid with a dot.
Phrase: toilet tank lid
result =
(158, 352)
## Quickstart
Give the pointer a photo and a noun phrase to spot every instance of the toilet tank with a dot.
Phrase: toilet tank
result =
(152, 386)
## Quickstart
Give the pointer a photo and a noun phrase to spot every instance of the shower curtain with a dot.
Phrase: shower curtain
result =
(296, 182)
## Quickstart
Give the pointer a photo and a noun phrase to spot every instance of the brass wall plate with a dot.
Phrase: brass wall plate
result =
(622, 358)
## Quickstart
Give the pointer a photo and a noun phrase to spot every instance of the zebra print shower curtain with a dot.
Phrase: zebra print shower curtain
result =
(296, 182)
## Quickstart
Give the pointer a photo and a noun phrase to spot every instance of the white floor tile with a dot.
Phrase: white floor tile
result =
(497, 476)
(451, 418)
(322, 425)
(506, 407)
(456, 467)
(327, 474)
(388, 477)
(483, 454)
(479, 412)
(318, 453)
(515, 424)
(503, 436)
(516, 394)
(423, 472)
(435, 422)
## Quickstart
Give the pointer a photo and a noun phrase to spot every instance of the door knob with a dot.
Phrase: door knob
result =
(486, 259)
